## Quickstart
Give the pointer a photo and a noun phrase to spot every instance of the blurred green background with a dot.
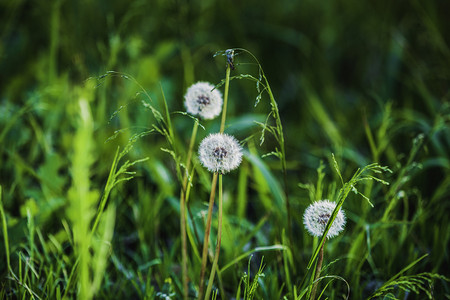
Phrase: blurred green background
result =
(365, 80)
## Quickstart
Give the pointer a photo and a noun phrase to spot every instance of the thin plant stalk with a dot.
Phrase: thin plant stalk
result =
(190, 151)
(207, 232)
(225, 99)
(183, 213)
(213, 188)
(219, 239)
(5, 232)
(317, 273)
(183, 244)
(278, 134)
(281, 142)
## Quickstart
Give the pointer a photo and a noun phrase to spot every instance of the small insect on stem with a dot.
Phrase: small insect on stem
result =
(230, 58)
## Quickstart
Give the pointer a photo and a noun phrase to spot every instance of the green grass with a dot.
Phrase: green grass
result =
(95, 148)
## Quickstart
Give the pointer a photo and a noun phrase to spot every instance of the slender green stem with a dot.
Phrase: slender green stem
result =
(317, 275)
(183, 244)
(108, 188)
(197, 236)
(207, 232)
(193, 241)
(225, 99)
(183, 214)
(283, 157)
(190, 151)
(219, 239)
(279, 137)
(221, 288)
(5, 232)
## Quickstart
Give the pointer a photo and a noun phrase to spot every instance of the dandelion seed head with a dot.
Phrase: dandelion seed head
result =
(201, 99)
(318, 214)
(220, 153)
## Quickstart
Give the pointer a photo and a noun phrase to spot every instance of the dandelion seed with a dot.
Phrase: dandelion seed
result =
(317, 215)
(220, 153)
(203, 100)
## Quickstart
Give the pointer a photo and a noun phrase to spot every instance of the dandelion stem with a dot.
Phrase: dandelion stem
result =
(219, 239)
(317, 275)
(207, 232)
(183, 213)
(211, 202)
(225, 99)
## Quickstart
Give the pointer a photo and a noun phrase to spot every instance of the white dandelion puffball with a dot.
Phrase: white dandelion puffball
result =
(316, 217)
(203, 100)
(220, 153)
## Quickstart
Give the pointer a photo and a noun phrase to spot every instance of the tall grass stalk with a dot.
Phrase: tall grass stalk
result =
(262, 85)
(282, 154)
(183, 212)
(5, 232)
(190, 234)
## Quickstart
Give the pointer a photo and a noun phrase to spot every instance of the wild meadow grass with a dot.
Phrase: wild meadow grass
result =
(323, 175)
